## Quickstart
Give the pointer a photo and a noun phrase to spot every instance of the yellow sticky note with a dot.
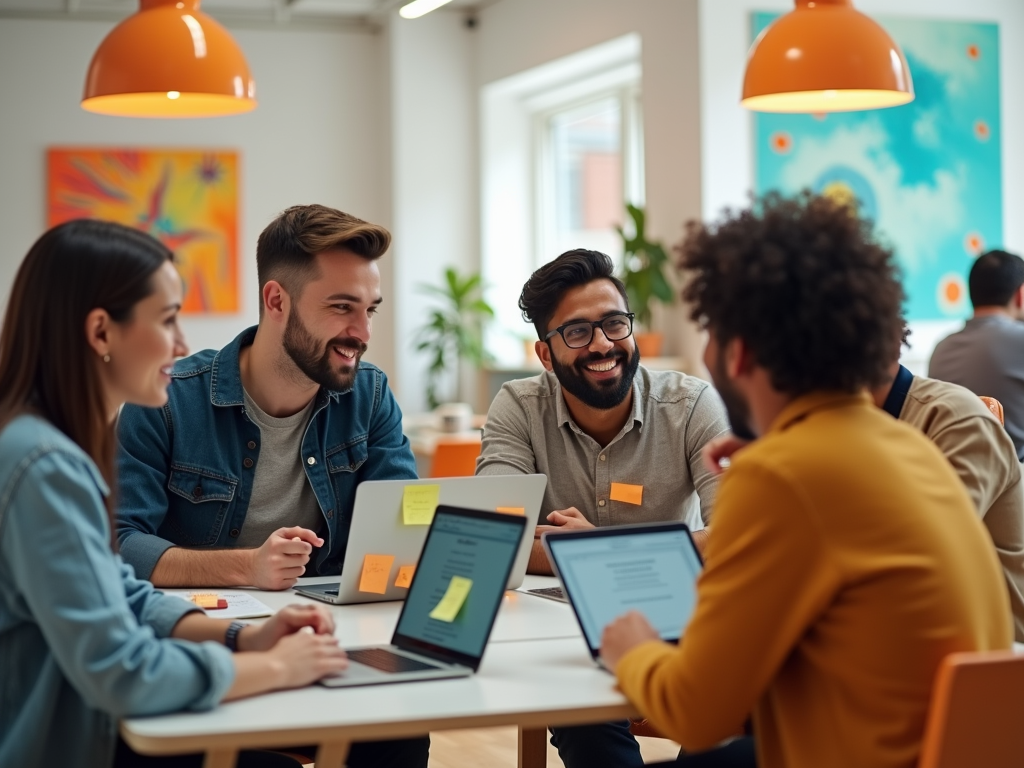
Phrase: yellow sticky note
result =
(511, 510)
(631, 494)
(454, 597)
(404, 577)
(419, 503)
(376, 569)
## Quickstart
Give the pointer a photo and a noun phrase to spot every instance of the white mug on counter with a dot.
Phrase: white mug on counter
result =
(454, 417)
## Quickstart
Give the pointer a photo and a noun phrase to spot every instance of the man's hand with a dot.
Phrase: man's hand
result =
(287, 621)
(282, 558)
(719, 449)
(570, 519)
(623, 635)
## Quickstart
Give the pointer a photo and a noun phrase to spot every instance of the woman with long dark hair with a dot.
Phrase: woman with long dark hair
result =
(92, 324)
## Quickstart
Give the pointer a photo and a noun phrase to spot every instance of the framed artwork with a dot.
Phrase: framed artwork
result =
(188, 199)
(929, 173)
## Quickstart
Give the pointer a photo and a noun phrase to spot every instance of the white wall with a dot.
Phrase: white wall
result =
(315, 137)
(726, 127)
(515, 35)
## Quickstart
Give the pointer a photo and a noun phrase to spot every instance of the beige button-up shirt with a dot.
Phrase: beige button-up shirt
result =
(529, 429)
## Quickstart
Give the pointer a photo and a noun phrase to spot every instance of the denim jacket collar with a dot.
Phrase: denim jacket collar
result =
(226, 374)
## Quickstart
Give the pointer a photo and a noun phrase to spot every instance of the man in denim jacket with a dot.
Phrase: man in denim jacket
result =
(247, 476)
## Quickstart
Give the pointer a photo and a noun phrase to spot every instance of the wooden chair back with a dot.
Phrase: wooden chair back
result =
(976, 713)
(994, 406)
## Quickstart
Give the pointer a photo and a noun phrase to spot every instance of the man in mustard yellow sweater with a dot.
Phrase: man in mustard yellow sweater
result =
(846, 559)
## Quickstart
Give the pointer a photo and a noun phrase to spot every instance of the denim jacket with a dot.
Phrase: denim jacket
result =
(82, 641)
(186, 470)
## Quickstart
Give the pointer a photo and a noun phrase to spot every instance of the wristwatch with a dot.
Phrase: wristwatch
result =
(231, 636)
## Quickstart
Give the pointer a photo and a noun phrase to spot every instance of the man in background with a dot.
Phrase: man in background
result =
(987, 356)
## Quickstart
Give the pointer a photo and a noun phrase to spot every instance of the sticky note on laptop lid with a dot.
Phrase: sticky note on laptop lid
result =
(631, 494)
(374, 577)
(419, 503)
(511, 511)
(454, 597)
(404, 577)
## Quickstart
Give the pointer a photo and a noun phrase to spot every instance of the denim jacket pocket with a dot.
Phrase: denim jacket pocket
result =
(347, 458)
(207, 497)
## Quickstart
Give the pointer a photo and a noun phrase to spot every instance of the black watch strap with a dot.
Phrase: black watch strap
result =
(231, 636)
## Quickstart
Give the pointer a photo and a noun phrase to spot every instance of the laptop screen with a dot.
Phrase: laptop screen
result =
(609, 571)
(462, 545)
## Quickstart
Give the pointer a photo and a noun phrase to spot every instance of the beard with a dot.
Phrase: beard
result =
(736, 408)
(313, 357)
(605, 394)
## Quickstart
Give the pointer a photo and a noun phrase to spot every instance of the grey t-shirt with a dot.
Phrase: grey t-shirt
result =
(281, 493)
(987, 357)
(529, 429)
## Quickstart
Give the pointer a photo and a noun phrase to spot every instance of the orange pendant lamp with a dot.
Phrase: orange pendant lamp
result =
(169, 60)
(825, 56)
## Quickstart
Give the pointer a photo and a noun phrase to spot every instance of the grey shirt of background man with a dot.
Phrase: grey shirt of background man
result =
(987, 357)
(529, 429)
(281, 494)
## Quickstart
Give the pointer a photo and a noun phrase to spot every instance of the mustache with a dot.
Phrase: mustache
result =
(351, 342)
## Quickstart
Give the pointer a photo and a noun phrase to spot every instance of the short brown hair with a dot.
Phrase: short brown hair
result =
(287, 248)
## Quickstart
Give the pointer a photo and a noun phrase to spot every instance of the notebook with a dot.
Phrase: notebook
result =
(605, 572)
(380, 535)
(453, 600)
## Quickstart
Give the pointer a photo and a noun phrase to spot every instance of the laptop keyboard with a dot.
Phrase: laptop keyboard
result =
(555, 593)
(386, 661)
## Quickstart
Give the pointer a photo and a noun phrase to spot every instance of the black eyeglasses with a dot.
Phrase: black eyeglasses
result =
(580, 334)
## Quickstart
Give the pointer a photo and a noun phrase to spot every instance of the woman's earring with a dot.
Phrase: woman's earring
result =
(106, 358)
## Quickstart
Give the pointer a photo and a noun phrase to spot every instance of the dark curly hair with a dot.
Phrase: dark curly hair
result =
(546, 287)
(806, 286)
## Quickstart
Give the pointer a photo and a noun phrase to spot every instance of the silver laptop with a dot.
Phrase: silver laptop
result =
(454, 598)
(605, 572)
(379, 529)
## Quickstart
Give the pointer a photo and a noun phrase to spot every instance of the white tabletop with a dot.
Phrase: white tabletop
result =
(528, 683)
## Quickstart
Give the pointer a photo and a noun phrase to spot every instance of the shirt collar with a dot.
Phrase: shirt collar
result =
(815, 402)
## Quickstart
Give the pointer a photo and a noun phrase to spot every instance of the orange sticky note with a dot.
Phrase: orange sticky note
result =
(404, 577)
(631, 494)
(376, 569)
(511, 510)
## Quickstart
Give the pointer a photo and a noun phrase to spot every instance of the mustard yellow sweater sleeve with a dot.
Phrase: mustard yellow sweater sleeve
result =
(767, 576)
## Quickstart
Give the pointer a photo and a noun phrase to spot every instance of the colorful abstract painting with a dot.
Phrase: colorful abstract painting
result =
(188, 199)
(928, 173)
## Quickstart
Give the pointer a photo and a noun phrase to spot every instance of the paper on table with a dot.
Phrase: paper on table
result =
(419, 503)
(374, 577)
(454, 597)
(241, 605)
(511, 510)
(404, 577)
(631, 494)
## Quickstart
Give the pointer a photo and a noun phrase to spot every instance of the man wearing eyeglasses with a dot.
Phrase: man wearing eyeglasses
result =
(619, 443)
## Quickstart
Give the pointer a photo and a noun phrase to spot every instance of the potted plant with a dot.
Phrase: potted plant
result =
(453, 333)
(643, 274)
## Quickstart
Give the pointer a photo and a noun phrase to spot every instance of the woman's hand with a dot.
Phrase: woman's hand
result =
(304, 657)
(287, 621)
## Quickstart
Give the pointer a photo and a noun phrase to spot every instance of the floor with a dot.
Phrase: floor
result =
(498, 747)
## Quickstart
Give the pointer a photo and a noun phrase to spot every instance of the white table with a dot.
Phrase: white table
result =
(536, 672)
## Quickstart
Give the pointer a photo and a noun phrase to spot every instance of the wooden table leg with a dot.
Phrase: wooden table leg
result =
(332, 754)
(533, 747)
(220, 758)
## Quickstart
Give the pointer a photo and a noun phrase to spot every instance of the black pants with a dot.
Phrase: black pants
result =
(397, 753)
(738, 753)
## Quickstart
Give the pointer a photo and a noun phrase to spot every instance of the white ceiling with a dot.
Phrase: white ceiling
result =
(275, 11)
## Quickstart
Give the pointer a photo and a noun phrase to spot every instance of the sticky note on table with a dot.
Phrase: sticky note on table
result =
(404, 577)
(376, 569)
(419, 503)
(209, 600)
(454, 597)
(631, 494)
(511, 510)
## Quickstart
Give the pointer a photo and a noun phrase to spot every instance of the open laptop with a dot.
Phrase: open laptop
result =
(453, 600)
(605, 572)
(379, 528)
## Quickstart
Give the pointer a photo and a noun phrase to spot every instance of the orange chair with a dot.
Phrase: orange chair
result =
(455, 458)
(994, 406)
(976, 712)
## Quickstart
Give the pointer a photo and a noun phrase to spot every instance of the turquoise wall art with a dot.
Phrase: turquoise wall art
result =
(929, 174)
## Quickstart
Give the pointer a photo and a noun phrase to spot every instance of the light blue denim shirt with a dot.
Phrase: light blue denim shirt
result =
(186, 470)
(82, 641)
